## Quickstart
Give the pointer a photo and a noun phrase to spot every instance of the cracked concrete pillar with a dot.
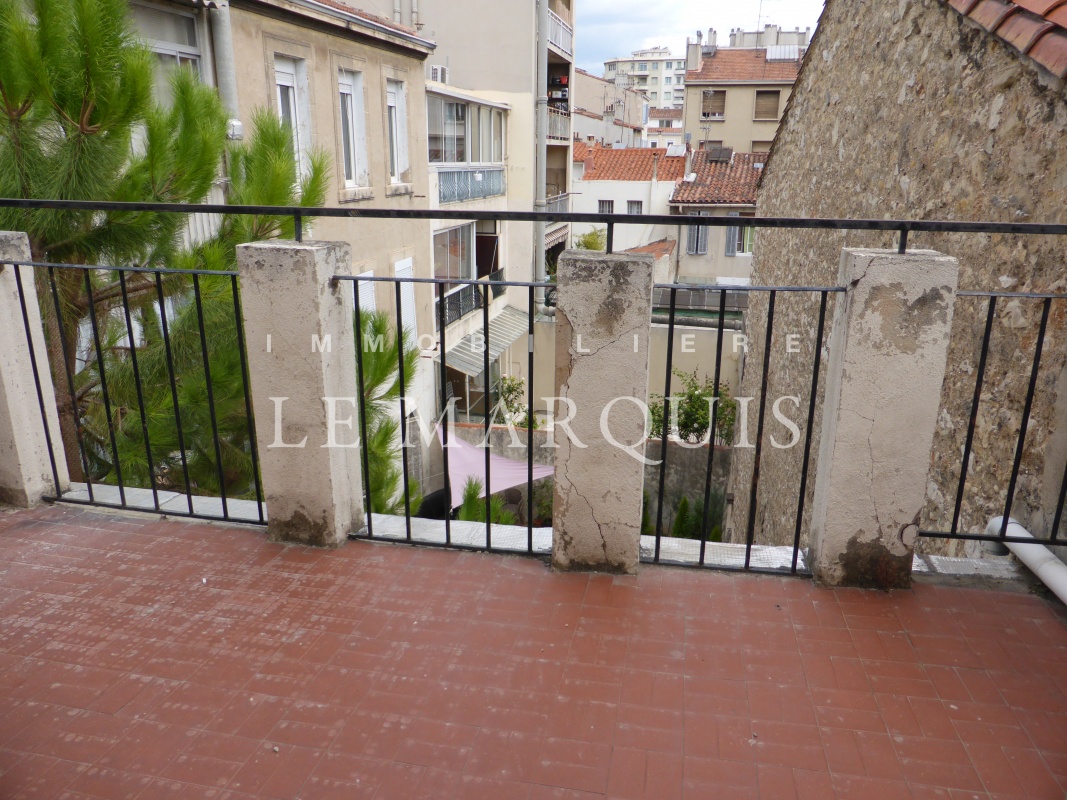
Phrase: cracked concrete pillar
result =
(888, 351)
(25, 467)
(603, 314)
(301, 351)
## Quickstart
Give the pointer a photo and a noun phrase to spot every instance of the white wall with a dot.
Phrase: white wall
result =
(653, 196)
(715, 263)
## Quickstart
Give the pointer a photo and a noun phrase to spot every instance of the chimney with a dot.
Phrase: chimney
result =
(589, 161)
(692, 53)
(711, 37)
(655, 166)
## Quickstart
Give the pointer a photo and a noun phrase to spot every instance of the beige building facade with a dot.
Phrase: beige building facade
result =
(655, 72)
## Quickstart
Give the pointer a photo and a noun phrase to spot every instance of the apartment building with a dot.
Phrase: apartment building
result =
(607, 113)
(664, 127)
(735, 96)
(654, 72)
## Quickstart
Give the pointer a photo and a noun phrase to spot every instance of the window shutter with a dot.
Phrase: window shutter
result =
(692, 244)
(366, 292)
(731, 236)
(713, 104)
(767, 105)
(407, 296)
(702, 242)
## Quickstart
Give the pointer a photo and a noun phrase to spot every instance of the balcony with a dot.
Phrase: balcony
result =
(560, 34)
(463, 301)
(559, 125)
(158, 656)
(456, 184)
(558, 204)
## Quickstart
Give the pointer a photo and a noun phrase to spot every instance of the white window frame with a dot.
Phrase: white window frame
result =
(697, 239)
(396, 130)
(291, 73)
(177, 50)
(635, 204)
(354, 167)
(605, 206)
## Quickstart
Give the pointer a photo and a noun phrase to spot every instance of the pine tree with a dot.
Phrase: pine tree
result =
(77, 122)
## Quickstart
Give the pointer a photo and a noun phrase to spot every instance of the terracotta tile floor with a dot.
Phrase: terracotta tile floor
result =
(151, 659)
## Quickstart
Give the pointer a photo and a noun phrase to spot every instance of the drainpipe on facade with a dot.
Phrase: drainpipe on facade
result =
(541, 147)
(397, 13)
(415, 14)
(225, 68)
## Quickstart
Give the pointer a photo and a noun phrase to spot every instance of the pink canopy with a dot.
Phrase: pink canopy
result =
(468, 461)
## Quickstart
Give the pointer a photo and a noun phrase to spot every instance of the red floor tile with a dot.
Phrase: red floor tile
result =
(157, 659)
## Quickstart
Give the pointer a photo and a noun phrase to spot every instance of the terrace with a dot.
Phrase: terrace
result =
(145, 652)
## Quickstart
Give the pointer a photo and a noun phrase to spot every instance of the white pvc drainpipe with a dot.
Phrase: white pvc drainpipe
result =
(1040, 560)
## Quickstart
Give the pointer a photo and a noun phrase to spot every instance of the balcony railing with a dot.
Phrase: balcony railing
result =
(560, 34)
(559, 124)
(463, 301)
(560, 204)
(470, 183)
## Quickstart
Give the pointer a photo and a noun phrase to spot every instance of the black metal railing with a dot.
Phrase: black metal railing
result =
(468, 298)
(151, 376)
(96, 426)
(399, 516)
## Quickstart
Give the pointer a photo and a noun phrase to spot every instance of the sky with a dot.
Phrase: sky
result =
(611, 28)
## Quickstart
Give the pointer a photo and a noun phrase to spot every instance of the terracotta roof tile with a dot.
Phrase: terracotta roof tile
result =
(580, 150)
(721, 182)
(737, 64)
(658, 249)
(665, 113)
(633, 164)
(1037, 28)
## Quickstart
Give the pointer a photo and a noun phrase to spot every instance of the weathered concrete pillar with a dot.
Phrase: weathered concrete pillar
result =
(888, 350)
(25, 468)
(301, 351)
(602, 323)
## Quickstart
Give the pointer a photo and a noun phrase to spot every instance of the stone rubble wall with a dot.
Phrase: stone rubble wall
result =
(908, 110)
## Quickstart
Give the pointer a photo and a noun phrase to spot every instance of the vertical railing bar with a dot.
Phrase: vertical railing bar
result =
(442, 323)
(530, 420)
(487, 397)
(140, 392)
(1045, 307)
(666, 422)
(611, 237)
(174, 390)
(298, 227)
(704, 532)
(400, 342)
(1059, 507)
(246, 382)
(103, 385)
(751, 533)
(358, 312)
(902, 246)
(37, 377)
(79, 434)
(809, 431)
(220, 472)
(979, 380)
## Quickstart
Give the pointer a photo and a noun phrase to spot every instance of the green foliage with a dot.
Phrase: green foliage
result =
(512, 391)
(693, 408)
(689, 519)
(596, 239)
(472, 509)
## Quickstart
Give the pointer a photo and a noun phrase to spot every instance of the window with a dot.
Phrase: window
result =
(739, 240)
(172, 37)
(697, 243)
(653, 144)
(653, 95)
(464, 132)
(633, 206)
(353, 132)
(403, 270)
(761, 147)
(605, 207)
(453, 255)
(666, 80)
(396, 130)
(767, 105)
(366, 292)
(642, 67)
(611, 67)
(654, 81)
(710, 144)
(290, 77)
(713, 104)
(669, 65)
(655, 65)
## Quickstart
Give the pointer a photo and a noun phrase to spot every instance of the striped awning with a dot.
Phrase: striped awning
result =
(504, 329)
(555, 237)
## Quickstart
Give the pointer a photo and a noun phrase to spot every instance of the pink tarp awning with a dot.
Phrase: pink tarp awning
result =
(468, 461)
